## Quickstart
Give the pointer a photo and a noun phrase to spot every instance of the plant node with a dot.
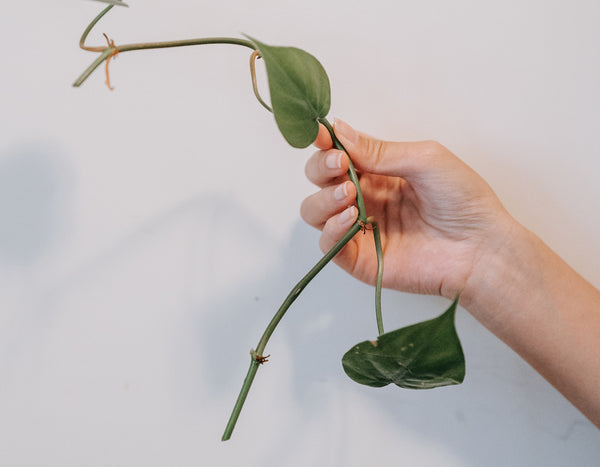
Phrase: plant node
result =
(364, 226)
(259, 358)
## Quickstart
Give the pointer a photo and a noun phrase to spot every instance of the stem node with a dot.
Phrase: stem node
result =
(259, 358)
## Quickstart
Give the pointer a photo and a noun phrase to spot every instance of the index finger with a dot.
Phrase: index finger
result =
(323, 140)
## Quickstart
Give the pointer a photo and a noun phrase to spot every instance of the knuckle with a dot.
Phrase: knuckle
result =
(376, 149)
(433, 148)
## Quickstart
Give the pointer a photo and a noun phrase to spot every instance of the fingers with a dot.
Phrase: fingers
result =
(319, 207)
(333, 230)
(325, 167)
(389, 158)
(323, 140)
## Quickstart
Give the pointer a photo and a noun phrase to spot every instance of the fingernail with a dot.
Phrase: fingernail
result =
(345, 131)
(341, 192)
(334, 161)
(347, 217)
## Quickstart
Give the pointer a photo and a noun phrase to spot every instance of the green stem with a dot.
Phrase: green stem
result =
(185, 43)
(360, 203)
(256, 355)
(379, 280)
(90, 27)
(239, 403)
(95, 64)
(299, 287)
(106, 52)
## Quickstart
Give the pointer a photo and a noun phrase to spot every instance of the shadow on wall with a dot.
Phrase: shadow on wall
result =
(503, 402)
(490, 420)
(32, 179)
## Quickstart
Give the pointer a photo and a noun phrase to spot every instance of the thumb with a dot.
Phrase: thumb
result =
(384, 157)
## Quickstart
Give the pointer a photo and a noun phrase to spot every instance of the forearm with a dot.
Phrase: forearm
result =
(531, 299)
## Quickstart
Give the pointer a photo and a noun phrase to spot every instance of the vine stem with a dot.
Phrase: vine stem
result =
(110, 50)
(106, 52)
(256, 355)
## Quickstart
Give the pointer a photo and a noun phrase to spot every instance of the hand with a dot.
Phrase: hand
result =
(436, 215)
(444, 231)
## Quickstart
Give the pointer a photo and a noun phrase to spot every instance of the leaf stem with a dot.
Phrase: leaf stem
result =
(185, 43)
(89, 28)
(253, 57)
(360, 203)
(379, 280)
(256, 355)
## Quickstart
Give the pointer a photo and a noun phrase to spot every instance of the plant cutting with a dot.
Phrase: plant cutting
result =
(421, 356)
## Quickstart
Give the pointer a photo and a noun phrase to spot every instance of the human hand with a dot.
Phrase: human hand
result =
(445, 232)
(437, 217)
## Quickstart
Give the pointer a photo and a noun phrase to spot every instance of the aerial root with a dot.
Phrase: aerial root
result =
(115, 51)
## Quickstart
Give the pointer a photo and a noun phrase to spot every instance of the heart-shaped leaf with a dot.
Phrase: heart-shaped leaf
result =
(300, 92)
(113, 2)
(422, 356)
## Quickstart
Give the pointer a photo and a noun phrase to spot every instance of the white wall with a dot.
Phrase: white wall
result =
(148, 234)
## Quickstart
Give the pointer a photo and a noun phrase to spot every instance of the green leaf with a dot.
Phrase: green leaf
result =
(425, 355)
(113, 2)
(300, 92)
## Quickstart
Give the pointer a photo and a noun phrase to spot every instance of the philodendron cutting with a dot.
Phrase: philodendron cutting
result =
(422, 356)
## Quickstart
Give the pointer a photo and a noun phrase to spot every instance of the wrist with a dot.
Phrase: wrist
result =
(503, 272)
(526, 295)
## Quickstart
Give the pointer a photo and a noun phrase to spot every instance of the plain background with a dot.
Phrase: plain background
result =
(148, 234)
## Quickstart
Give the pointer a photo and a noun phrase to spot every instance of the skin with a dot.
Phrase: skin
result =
(444, 232)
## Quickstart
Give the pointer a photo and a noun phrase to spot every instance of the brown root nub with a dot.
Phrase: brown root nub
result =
(260, 359)
(364, 226)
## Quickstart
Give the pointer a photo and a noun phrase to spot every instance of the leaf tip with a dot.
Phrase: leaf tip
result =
(113, 2)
